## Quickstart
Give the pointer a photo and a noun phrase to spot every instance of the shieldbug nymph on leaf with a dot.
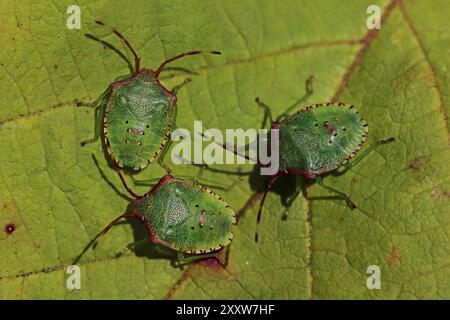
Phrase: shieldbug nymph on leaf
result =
(180, 215)
(314, 141)
(137, 113)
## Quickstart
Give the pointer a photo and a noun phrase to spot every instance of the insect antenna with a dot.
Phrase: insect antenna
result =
(137, 59)
(189, 53)
(93, 242)
(258, 218)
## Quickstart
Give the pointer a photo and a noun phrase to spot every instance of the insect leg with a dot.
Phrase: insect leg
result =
(209, 183)
(222, 256)
(181, 85)
(162, 155)
(309, 91)
(163, 250)
(290, 201)
(98, 124)
(367, 151)
(147, 182)
(93, 242)
(183, 259)
(98, 105)
(340, 194)
(258, 218)
(267, 112)
(169, 143)
(122, 179)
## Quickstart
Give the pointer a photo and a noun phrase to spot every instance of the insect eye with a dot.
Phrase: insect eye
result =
(148, 126)
(325, 123)
(343, 129)
(317, 124)
(126, 121)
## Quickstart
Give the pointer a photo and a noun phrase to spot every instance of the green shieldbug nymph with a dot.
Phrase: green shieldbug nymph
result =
(181, 215)
(314, 141)
(137, 114)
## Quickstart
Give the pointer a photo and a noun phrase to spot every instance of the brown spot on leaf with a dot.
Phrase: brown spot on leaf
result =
(417, 163)
(212, 263)
(393, 256)
(439, 194)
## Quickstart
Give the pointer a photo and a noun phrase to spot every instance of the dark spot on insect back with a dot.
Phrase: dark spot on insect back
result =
(10, 228)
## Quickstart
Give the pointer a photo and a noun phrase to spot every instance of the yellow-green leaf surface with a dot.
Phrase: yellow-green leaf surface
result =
(55, 195)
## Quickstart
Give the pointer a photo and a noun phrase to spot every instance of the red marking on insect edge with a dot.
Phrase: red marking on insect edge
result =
(10, 228)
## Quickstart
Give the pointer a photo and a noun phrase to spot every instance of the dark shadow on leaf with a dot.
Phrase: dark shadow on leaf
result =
(122, 195)
(169, 72)
(110, 46)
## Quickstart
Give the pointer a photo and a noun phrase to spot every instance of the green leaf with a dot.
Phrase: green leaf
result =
(54, 194)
